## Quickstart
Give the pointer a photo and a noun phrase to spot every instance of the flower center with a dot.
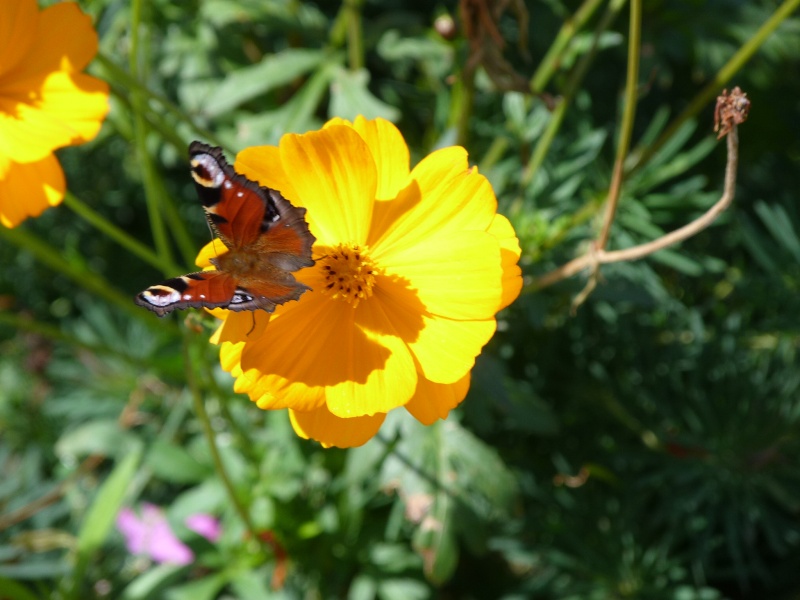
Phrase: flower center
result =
(349, 274)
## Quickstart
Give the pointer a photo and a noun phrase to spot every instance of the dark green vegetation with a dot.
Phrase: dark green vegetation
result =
(646, 447)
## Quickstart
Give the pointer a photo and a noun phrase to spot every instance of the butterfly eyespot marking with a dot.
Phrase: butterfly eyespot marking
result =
(207, 172)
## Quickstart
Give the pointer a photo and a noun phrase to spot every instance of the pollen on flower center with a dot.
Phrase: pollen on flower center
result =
(349, 274)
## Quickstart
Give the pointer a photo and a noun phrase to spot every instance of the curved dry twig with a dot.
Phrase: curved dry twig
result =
(731, 111)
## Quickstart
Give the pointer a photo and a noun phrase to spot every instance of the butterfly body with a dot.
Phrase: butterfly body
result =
(267, 239)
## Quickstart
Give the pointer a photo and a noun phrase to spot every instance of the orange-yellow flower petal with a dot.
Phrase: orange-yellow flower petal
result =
(330, 430)
(334, 177)
(388, 149)
(263, 164)
(64, 40)
(451, 197)
(27, 189)
(66, 109)
(317, 345)
(445, 349)
(18, 25)
(434, 401)
(510, 252)
(455, 275)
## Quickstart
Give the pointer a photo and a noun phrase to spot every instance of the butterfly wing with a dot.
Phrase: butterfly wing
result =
(246, 215)
(266, 236)
(208, 289)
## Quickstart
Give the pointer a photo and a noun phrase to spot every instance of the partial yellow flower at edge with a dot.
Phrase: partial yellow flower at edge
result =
(411, 267)
(45, 102)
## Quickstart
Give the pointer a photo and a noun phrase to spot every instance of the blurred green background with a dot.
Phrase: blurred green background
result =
(644, 447)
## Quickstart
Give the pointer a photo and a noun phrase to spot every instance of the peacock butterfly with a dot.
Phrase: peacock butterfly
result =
(267, 238)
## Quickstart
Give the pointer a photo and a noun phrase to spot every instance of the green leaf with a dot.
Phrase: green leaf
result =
(444, 471)
(15, 591)
(201, 589)
(104, 437)
(150, 583)
(174, 464)
(101, 514)
(296, 115)
(402, 589)
(250, 82)
(350, 97)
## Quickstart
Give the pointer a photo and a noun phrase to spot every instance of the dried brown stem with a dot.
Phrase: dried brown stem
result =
(598, 256)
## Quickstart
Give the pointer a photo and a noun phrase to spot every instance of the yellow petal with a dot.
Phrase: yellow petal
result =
(27, 189)
(456, 275)
(18, 25)
(434, 401)
(510, 252)
(443, 195)
(330, 430)
(391, 378)
(334, 176)
(67, 109)
(239, 326)
(212, 249)
(64, 41)
(446, 349)
(317, 353)
(263, 164)
(388, 148)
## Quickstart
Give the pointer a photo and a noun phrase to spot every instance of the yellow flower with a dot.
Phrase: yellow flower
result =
(411, 268)
(45, 101)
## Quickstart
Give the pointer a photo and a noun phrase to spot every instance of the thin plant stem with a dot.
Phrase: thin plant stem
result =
(573, 83)
(355, 35)
(208, 431)
(626, 128)
(115, 233)
(601, 256)
(55, 260)
(624, 143)
(551, 61)
(722, 77)
(462, 101)
(32, 508)
(132, 83)
(140, 129)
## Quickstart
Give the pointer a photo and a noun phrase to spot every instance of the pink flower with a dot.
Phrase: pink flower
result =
(205, 525)
(152, 536)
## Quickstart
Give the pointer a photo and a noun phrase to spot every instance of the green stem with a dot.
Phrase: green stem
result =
(115, 233)
(575, 79)
(49, 256)
(494, 153)
(626, 128)
(208, 431)
(133, 85)
(463, 98)
(355, 35)
(722, 77)
(177, 226)
(153, 198)
(552, 59)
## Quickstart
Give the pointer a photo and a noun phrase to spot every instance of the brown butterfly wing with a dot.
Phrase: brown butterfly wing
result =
(267, 238)
(246, 215)
(205, 289)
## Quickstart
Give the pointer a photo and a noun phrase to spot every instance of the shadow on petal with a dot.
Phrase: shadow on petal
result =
(433, 401)
(328, 429)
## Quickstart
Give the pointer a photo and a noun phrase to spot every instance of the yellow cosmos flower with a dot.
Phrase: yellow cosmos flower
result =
(411, 268)
(45, 101)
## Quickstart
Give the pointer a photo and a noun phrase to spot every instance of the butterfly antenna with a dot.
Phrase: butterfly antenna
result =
(252, 314)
